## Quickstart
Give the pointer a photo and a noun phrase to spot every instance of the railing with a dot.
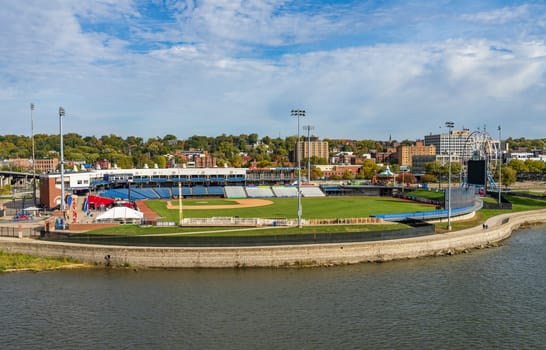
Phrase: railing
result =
(15, 231)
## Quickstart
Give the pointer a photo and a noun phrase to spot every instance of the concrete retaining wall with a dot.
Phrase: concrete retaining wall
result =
(500, 228)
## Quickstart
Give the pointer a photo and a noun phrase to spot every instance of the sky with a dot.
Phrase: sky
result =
(360, 69)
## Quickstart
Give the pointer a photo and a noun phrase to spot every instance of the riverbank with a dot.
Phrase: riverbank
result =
(499, 228)
(16, 262)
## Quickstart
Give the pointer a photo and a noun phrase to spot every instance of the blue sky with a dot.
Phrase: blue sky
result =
(361, 69)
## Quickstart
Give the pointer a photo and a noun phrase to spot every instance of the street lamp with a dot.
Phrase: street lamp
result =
(61, 115)
(450, 126)
(298, 113)
(308, 128)
(33, 157)
(499, 156)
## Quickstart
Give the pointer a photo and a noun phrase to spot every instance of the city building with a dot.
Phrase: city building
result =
(47, 165)
(339, 170)
(405, 154)
(313, 148)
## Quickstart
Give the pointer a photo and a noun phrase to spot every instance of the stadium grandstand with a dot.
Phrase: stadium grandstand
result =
(139, 184)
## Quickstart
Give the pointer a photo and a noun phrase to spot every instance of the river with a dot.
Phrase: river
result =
(486, 299)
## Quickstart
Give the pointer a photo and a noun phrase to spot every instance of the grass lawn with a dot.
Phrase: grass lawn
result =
(317, 208)
(427, 194)
(330, 207)
(9, 261)
(518, 204)
(133, 230)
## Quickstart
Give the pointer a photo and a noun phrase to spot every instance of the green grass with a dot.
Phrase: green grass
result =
(133, 230)
(331, 207)
(427, 194)
(9, 261)
(518, 204)
(317, 208)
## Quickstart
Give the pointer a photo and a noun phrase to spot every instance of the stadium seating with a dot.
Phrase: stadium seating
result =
(164, 192)
(259, 192)
(285, 191)
(235, 192)
(216, 191)
(146, 193)
(308, 191)
(199, 191)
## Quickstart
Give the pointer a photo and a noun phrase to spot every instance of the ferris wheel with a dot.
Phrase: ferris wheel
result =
(480, 146)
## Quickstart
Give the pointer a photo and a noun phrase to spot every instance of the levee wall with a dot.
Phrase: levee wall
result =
(500, 228)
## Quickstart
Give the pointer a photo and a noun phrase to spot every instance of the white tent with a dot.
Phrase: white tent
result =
(123, 214)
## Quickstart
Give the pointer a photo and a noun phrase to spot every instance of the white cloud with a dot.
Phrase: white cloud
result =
(499, 16)
(202, 83)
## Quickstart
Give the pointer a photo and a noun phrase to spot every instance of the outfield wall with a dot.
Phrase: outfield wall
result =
(500, 228)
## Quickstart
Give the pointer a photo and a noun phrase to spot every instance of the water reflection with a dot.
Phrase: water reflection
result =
(491, 298)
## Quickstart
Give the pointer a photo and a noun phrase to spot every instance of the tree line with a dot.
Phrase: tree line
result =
(134, 151)
(234, 150)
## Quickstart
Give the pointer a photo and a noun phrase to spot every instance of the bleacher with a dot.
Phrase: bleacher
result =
(259, 192)
(199, 191)
(312, 191)
(146, 193)
(164, 192)
(235, 192)
(116, 193)
(216, 191)
(285, 191)
(219, 191)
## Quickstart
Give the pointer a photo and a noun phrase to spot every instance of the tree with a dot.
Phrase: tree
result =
(405, 178)
(535, 166)
(518, 165)
(347, 176)
(428, 178)
(508, 176)
(368, 169)
(316, 173)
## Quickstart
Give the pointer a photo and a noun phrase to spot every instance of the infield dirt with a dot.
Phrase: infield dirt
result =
(241, 203)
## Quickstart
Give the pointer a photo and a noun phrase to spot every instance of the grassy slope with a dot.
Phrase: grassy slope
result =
(10, 261)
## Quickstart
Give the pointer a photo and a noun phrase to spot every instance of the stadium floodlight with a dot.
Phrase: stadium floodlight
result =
(298, 113)
(33, 154)
(61, 115)
(499, 157)
(450, 126)
(308, 128)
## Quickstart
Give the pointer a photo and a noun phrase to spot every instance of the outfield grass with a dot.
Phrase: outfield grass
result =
(133, 230)
(319, 208)
(316, 208)
(427, 194)
(331, 207)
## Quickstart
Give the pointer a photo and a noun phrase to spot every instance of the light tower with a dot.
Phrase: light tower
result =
(61, 115)
(450, 126)
(500, 166)
(308, 128)
(33, 156)
(298, 113)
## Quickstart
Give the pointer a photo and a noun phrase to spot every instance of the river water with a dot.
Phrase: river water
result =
(487, 299)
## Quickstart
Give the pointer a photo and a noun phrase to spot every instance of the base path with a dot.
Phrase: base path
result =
(241, 203)
(148, 213)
